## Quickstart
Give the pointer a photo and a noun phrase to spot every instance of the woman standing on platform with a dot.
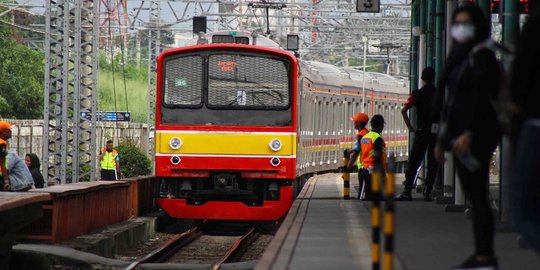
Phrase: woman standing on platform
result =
(469, 126)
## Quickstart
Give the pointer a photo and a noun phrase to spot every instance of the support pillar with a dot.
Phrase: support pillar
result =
(510, 34)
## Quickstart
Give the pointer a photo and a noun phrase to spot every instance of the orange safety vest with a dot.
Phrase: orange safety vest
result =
(361, 134)
(368, 152)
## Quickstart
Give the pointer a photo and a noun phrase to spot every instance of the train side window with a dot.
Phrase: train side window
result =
(386, 116)
(349, 114)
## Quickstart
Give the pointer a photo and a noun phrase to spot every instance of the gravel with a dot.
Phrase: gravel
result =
(141, 250)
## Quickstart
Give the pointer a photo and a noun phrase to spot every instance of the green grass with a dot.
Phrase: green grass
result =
(137, 95)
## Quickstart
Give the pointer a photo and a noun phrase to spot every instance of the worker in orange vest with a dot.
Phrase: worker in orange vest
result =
(5, 134)
(360, 121)
(372, 146)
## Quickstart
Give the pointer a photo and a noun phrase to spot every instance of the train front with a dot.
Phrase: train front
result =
(226, 132)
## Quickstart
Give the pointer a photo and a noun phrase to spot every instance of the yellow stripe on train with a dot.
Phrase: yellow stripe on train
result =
(226, 143)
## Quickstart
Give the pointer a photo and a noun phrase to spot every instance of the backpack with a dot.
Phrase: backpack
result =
(503, 105)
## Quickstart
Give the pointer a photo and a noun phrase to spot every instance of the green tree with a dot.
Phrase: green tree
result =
(21, 78)
(133, 161)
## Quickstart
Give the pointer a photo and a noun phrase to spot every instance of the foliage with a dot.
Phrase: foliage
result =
(166, 39)
(133, 162)
(137, 95)
(21, 78)
(130, 69)
(84, 169)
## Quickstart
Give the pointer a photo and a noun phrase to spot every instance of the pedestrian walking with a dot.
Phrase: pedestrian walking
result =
(360, 121)
(469, 126)
(424, 135)
(110, 162)
(372, 147)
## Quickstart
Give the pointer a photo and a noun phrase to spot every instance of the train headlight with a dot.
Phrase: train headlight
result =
(275, 145)
(175, 143)
(175, 160)
(275, 161)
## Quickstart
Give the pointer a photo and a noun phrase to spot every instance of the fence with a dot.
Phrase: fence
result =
(27, 137)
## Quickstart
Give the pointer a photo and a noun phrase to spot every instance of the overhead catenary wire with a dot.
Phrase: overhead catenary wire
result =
(111, 42)
(122, 51)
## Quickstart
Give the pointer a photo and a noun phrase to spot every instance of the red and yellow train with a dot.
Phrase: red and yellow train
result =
(237, 125)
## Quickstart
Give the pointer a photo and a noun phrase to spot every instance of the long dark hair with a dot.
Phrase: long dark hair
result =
(34, 161)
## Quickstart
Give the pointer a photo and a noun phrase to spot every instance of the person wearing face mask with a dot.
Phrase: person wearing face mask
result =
(469, 126)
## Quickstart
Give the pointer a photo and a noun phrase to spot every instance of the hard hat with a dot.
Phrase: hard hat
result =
(360, 117)
(4, 125)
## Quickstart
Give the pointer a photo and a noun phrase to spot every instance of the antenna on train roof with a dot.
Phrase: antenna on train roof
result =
(202, 38)
(254, 38)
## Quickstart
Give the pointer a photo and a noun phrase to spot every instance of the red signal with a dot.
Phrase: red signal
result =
(496, 6)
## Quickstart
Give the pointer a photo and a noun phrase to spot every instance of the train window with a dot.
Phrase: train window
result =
(183, 84)
(247, 82)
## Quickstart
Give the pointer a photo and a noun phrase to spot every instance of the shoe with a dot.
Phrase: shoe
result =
(403, 197)
(473, 263)
(428, 198)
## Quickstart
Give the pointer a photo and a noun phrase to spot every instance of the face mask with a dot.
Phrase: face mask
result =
(463, 32)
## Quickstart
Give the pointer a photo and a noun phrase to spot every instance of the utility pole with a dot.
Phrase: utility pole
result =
(267, 5)
(388, 47)
(365, 40)
(510, 36)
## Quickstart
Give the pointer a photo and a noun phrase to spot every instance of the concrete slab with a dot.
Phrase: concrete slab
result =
(34, 256)
(322, 231)
(115, 238)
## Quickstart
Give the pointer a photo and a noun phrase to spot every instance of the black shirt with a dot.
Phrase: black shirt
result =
(422, 100)
(471, 86)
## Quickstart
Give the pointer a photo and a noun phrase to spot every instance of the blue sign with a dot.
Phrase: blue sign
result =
(108, 116)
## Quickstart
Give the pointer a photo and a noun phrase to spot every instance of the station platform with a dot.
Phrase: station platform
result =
(17, 209)
(323, 231)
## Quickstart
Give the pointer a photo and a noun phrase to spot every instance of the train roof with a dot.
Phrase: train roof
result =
(236, 36)
(330, 75)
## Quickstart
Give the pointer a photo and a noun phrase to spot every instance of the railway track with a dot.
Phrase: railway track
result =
(193, 246)
(168, 249)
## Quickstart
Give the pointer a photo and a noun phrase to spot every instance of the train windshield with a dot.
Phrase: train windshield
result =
(247, 82)
(183, 81)
(227, 88)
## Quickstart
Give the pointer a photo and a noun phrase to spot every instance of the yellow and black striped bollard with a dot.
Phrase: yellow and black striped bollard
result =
(346, 176)
(389, 216)
(376, 219)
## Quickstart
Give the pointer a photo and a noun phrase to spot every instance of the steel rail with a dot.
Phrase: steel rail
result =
(168, 249)
(237, 250)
